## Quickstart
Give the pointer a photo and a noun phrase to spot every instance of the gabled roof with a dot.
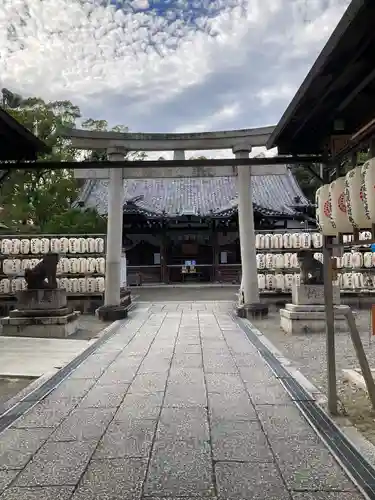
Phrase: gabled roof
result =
(16, 141)
(340, 86)
(272, 195)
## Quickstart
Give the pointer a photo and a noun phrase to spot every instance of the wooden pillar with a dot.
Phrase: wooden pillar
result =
(215, 251)
(163, 257)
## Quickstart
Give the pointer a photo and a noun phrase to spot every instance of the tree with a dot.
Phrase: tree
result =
(40, 199)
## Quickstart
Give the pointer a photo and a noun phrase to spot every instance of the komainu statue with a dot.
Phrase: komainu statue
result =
(311, 269)
(45, 270)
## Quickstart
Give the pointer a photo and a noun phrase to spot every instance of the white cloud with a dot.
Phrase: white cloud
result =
(157, 65)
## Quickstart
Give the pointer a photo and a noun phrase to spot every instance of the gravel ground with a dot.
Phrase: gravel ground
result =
(91, 327)
(308, 352)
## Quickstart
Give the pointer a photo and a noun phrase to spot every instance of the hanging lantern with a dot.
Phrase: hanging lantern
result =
(368, 189)
(355, 200)
(323, 211)
(339, 211)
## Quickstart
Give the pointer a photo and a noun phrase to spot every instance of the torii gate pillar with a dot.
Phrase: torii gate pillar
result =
(114, 230)
(250, 305)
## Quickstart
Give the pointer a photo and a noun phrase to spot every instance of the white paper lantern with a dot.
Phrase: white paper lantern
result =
(91, 285)
(357, 280)
(74, 266)
(100, 284)
(100, 265)
(6, 246)
(99, 245)
(59, 268)
(6, 285)
(16, 246)
(348, 281)
(305, 240)
(17, 266)
(368, 189)
(323, 211)
(35, 245)
(277, 241)
(25, 246)
(74, 285)
(65, 284)
(82, 285)
(18, 284)
(64, 245)
(261, 282)
(83, 245)
(65, 265)
(318, 256)
(294, 261)
(287, 260)
(296, 241)
(267, 240)
(82, 262)
(317, 240)
(44, 245)
(91, 265)
(91, 245)
(279, 282)
(347, 260)
(288, 281)
(367, 259)
(287, 240)
(73, 245)
(279, 261)
(339, 213)
(259, 241)
(270, 281)
(269, 261)
(354, 186)
(55, 245)
(357, 260)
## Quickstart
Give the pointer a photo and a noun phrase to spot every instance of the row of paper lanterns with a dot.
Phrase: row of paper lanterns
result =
(355, 260)
(348, 202)
(15, 246)
(65, 266)
(284, 282)
(71, 285)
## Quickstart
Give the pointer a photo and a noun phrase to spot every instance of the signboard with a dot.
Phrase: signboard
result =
(177, 172)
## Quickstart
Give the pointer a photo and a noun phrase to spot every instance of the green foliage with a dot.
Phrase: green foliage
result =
(76, 221)
(37, 199)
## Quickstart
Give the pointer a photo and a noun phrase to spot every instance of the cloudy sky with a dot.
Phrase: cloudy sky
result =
(165, 65)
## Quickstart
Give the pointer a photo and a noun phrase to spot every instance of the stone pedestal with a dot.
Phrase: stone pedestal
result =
(312, 295)
(252, 311)
(307, 312)
(41, 313)
(296, 319)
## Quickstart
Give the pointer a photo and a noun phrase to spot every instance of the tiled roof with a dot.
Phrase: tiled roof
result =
(272, 194)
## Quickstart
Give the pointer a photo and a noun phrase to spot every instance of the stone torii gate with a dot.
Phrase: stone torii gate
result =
(119, 144)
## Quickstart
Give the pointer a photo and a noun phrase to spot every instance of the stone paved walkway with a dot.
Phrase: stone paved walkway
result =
(177, 405)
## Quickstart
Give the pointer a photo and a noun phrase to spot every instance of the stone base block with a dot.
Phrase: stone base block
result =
(112, 313)
(45, 299)
(41, 327)
(251, 311)
(32, 313)
(312, 294)
(295, 319)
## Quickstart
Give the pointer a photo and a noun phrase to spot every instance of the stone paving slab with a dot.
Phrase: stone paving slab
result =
(39, 493)
(177, 405)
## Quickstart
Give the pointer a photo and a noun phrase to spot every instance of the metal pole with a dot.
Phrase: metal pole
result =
(361, 356)
(330, 328)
